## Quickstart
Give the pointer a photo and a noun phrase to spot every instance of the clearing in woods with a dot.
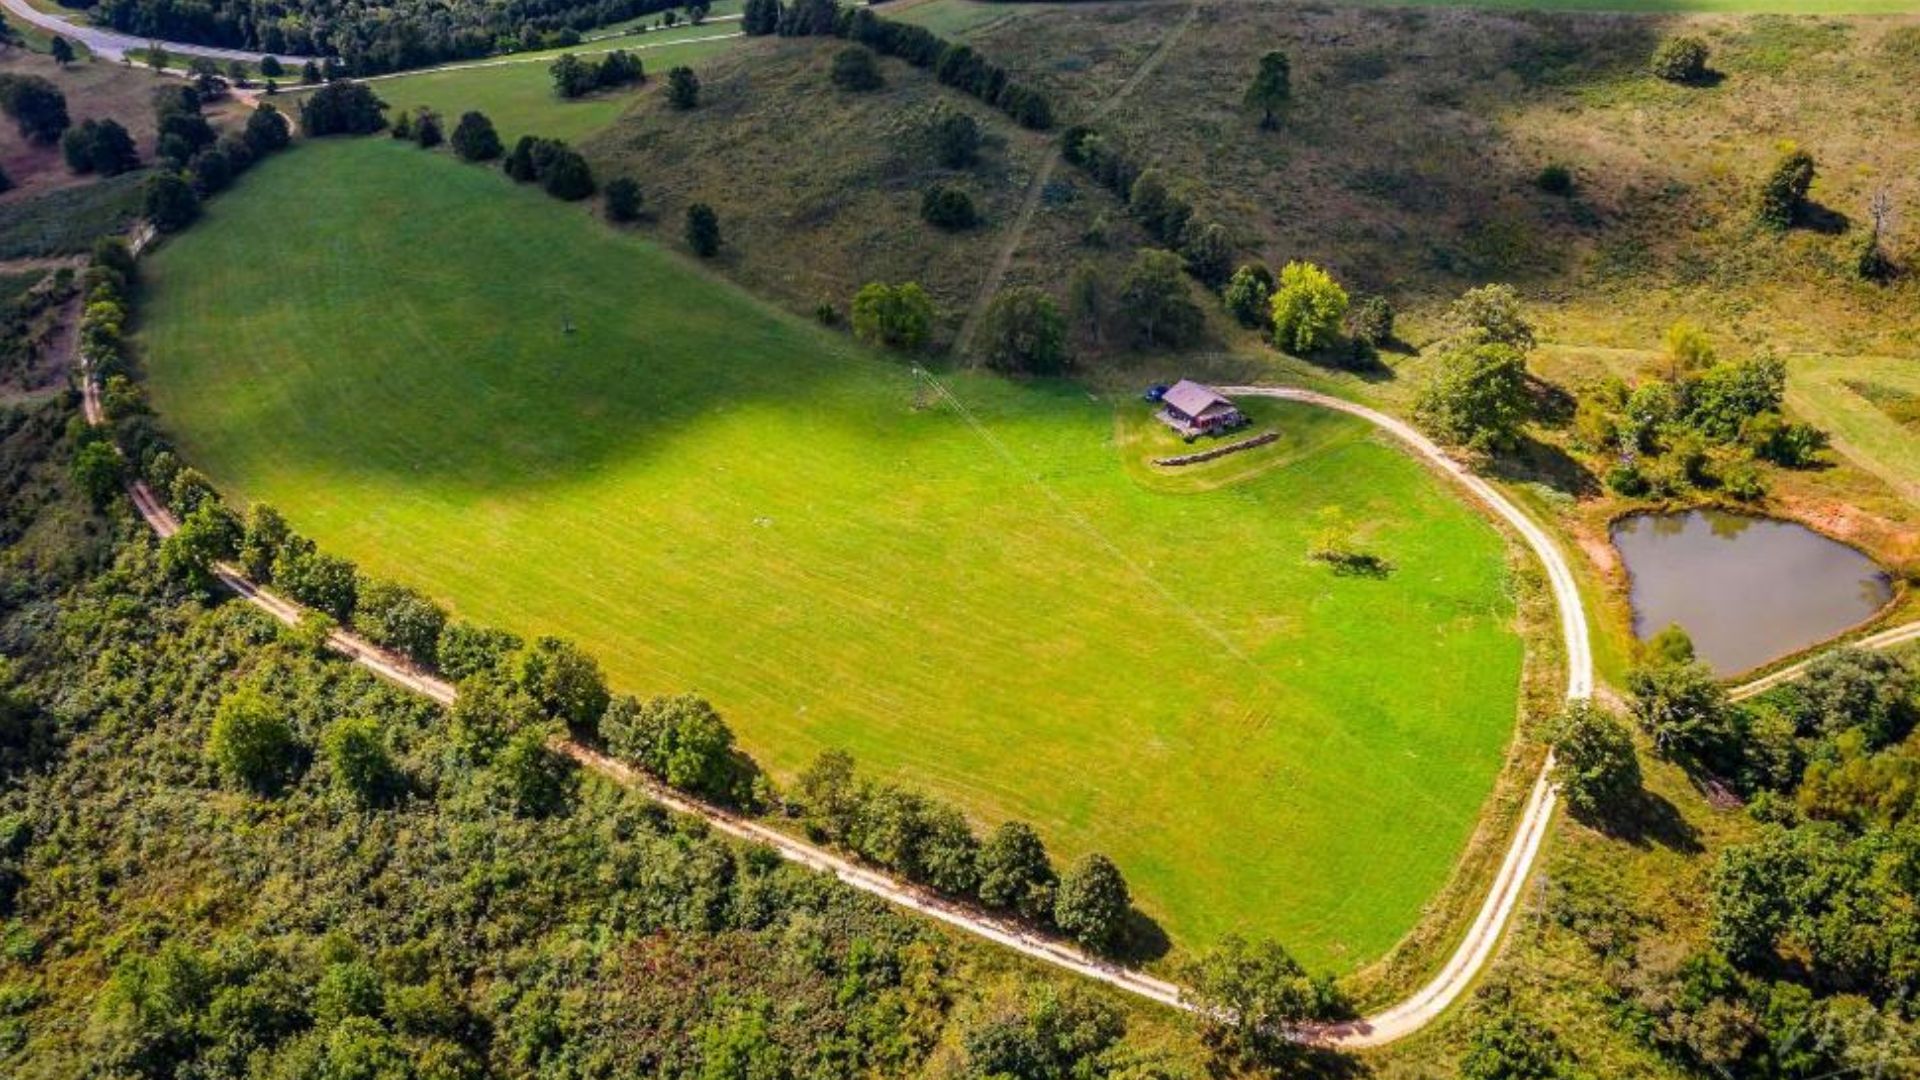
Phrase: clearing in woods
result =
(970, 583)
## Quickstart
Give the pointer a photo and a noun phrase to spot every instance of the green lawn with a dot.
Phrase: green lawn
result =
(516, 92)
(983, 593)
(1861, 400)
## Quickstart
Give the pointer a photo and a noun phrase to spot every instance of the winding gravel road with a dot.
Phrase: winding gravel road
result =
(1388, 1025)
(114, 45)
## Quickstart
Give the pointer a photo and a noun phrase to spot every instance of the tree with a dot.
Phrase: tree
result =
(895, 316)
(1476, 397)
(271, 67)
(426, 130)
(854, 69)
(171, 203)
(1163, 211)
(342, 108)
(1508, 1046)
(489, 710)
(1871, 261)
(1272, 88)
(1671, 645)
(1682, 707)
(564, 681)
(1015, 873)
(760, 17)
(955, 138)
(1154, 295)
(1370, 321)
(357, 758)
(623, 199)
(697, 11)
(98, 471)
(157, 56)
(1308, 306)
(211, 171)
(1783, 195)
(466, 649)
(267, 130)
(99, 146)
(947, 207)
(251, 742)
(1209, 253)
(949, 852)
(1248, 295)
(683, 88)
(572, 76)
(682, 740)
(1088, 302)
(703, 230)
(1856, 689)
(1681, 59)
(1490, 313)
(535, 781)
(1022, 332)
(1594, 762)
(326, 583)
(1092, 902)
(37, 107)
(474, 138)
(1249, 995)
(828, 795)
(309, 73)
(60, 50)
(400, 618)
(266, 534)
(566, 175)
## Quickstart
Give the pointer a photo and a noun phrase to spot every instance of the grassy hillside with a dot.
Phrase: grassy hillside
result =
(956, 577)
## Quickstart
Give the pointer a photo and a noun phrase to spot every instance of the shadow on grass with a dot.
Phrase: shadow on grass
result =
(1537, 462)
(1143, 940)
(1648, 819)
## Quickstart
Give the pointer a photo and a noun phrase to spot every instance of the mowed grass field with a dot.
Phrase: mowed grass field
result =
(516, 92)
(1871, 405)
(960, 579)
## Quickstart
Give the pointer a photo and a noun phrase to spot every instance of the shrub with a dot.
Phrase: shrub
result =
(566, 175)
(1681, 59)
(1022, 331)
(947, 207)
(1308, 307)
(955, 138)
(895, 316)
(266, 130)
(37, 107)
(1555, 179)
(854, 69)
(474, 138)
(426, 130)
(1209, 253)
(99, 146)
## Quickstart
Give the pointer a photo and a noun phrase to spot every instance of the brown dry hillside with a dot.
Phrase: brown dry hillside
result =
(95, 90)
(1408, 162)
(818, 189)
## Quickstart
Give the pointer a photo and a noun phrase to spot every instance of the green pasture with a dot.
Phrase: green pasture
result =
(1863, 401)
(516, 92)
(973, 584)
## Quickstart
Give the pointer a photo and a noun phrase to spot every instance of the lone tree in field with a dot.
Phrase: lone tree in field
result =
(1023, 332)
(1308, 306)
(1784, 194)
(60, 50)
(1476, 397)
(1272, 88)
(854, 69)
(1092, 902)
(1682, 707)
(474, 138)
(703, 230)
(683, 88)
(1593, 760)
(1681, 60)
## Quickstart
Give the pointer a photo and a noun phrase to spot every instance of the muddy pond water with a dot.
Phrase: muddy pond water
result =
(1747, 589)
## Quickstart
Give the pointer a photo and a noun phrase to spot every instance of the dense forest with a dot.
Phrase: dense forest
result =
(370, 38)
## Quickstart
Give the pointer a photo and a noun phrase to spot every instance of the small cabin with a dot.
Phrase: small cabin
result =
(1193, 409)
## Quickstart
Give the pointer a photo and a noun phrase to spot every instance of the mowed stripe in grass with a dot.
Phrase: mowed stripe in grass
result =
(973, 594)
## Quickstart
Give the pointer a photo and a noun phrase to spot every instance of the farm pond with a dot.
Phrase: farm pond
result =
(1746, 589)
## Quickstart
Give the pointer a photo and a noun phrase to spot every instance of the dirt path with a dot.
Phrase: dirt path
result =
(1885, 639)
(1036, 188)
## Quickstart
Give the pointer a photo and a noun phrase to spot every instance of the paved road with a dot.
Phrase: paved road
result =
(114, 45)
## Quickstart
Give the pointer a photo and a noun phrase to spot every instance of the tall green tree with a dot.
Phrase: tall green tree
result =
(564, 681)
(894, 316)
(1015, 873)
(355, 751)
(1092, 903)
(474, 138)
(1308, 307)
(1475, 397)
(251, 741)
(1250, 994)
(1023, 332)
(1594, 763)
(1272, 88)
(1154, 295)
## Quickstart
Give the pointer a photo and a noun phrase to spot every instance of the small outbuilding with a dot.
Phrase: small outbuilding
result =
(1193, 409)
